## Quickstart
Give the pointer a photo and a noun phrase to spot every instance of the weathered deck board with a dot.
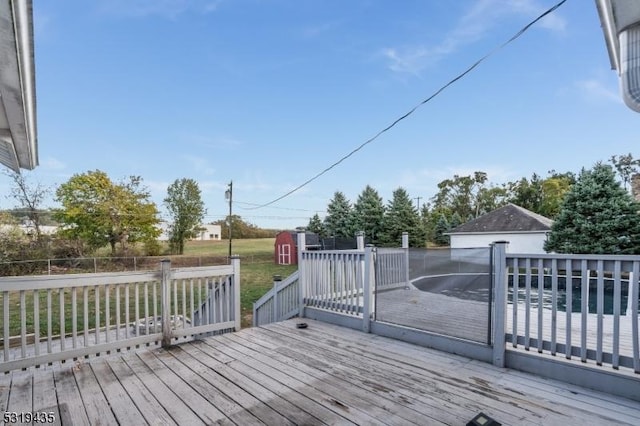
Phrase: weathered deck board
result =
(279, 374)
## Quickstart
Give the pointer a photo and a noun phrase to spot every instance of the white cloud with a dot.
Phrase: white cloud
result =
(199, 165)
(481, 18)
(596, 90)
(53, 164)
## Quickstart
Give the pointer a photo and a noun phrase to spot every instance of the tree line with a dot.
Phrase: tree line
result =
(594, 205)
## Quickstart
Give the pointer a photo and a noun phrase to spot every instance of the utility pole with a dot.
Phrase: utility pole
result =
(418, 199)
(228, 195)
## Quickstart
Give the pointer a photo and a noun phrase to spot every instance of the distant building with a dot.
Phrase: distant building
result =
(205, 232)
(525, 230)
(209, 233)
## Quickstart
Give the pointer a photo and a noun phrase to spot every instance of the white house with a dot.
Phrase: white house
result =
(209, 233)
(525, 230)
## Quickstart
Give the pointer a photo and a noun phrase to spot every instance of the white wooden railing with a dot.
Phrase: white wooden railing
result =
(333, 280)
(280, 303)
(537, 320)
(55, 318)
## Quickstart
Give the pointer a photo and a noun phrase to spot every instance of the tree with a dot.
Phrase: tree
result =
(368, 214)
(98, 212)
(442, 226)
(187, 211)
(339, 220)
(597, 216)
(542, 196)
(461, 194)
(626, 166)
(30, 198)
(315, 225)
(242, 229)
(402, 216)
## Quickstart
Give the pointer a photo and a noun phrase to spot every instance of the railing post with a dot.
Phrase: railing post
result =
(276, 282)
(235, 263)
(360, 240)
(405, 246)
(368, 289)
(500, 280)
(301, 242)
(165, 312)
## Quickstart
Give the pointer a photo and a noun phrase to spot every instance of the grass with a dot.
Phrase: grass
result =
(257, 269)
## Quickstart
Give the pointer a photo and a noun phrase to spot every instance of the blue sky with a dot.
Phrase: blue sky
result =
(268, 93)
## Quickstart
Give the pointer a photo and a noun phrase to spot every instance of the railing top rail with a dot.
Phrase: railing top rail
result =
(282, 285)
(200, 271)
(323, 252)
(622, 257)
(39, 282)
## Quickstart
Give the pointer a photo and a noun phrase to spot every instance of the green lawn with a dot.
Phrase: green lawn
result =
(257, 269)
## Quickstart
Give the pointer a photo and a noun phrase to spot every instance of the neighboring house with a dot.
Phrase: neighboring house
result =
(18, 135)
(29, 229)
(286, 246)
(525, 230)
(205, 233)
(209, 233)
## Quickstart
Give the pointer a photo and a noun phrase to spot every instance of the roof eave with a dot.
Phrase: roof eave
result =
(17, 85)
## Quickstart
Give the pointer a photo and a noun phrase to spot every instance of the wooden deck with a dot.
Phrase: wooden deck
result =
(279, 375)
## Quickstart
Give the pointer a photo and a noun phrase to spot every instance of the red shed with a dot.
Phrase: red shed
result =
(286, 246)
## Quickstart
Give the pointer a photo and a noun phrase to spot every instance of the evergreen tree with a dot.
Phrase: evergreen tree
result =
(402, 216)
(442, 226)
(315, 225)
(339, 220)
(597, 216)
(368, 214)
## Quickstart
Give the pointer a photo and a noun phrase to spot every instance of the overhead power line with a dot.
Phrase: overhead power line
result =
(412, 110)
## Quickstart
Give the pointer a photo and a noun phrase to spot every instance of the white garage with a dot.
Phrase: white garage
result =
(525, 230)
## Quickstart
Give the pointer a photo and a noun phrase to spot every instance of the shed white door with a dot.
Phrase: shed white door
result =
(284, 254)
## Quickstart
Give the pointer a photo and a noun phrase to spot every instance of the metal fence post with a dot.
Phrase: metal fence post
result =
(500, 280)
(165, 311)
(301, 269)
(235, 263)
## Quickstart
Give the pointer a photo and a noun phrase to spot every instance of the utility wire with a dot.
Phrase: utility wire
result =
(412, 110)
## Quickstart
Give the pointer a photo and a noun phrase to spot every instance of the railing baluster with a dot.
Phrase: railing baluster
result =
(127, 318)
(146, 310)
(136, 318)
(568, 288)
(49, 321)
(634, 293)
(62, 320)
(5, 319)
(191, 299)
(117, 311)
(554, 305)
(540, 304)
(85, 314)
(585, 282)
(514, 304)
(527, 302)
(184, 304)
(107, 314)
(96, 295)
(23, 323)
(36, 321)
(600, 310)
(617, 290)
(74, 317)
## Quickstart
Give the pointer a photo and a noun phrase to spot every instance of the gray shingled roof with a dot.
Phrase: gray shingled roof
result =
(510, 218)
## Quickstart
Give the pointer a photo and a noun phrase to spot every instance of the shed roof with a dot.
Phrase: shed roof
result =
(510, 218)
